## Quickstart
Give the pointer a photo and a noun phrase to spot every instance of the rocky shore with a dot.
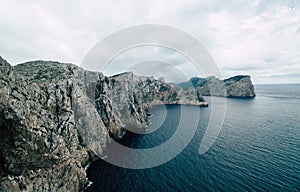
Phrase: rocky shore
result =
(55, 118)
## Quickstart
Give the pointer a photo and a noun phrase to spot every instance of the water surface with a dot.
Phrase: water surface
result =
(258, 149)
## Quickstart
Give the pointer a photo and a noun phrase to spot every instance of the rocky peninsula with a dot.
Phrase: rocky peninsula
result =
(239, 86)
(57, 117)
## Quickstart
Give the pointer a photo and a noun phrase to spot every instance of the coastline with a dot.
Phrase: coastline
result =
(67, 114)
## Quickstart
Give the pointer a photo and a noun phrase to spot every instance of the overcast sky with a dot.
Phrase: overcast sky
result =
(259, 38)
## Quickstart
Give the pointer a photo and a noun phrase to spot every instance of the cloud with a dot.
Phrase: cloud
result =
(159, 69)
(285, 75)
(258, 38)
(154, 61)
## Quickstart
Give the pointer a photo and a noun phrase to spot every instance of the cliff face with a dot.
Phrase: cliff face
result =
(123, 101)
(55, 117)
(40, 142)
(237, 86)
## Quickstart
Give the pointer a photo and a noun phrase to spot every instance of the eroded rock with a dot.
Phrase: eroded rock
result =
(238, 86)
(54, 118)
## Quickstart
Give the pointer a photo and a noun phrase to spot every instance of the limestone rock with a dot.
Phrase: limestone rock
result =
(54, 118)
(238, 86)
(123, 100)
(40, 141)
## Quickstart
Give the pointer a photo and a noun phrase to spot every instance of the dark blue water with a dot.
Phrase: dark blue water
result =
(258, 149)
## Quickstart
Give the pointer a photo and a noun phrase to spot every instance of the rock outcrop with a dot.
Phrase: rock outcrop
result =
(239, 86)
(55, 118)
(40, 144)
(123, 101)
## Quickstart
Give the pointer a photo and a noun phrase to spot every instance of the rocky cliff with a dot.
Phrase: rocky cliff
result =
(238, 86)
(124, 100)
(55, 118)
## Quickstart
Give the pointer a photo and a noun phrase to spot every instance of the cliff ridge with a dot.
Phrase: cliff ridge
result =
(239, 86)
(57, 117)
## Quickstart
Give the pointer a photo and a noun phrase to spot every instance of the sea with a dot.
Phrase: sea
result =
(256, 149)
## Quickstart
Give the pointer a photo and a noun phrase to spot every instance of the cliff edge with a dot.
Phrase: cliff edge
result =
(239, 86)
(55, 118)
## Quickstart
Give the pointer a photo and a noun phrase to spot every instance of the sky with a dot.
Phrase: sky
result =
(258, 38)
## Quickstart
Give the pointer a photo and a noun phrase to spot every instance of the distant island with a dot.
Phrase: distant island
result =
(55, 118)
